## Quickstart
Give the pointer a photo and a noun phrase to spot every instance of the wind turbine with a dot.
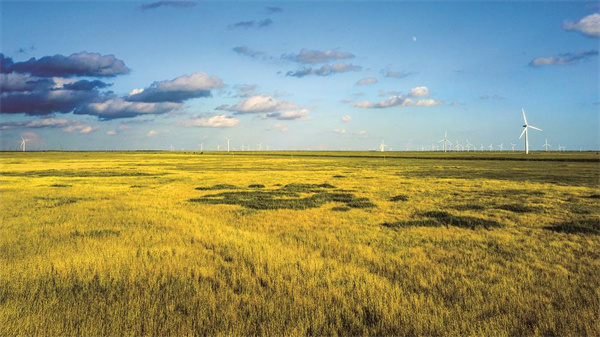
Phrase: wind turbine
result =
(546, 145)
(561, 148)
(228, 140)
(23, 143)
(259, 146)
(513, 146)
(525, 128)
(382, 146)
(501, 146)
(172, 148)
(457, 146)
(468, 146)
(491, 147)
(445, 141)
(201, 146)
(218, 147)
(482, 147)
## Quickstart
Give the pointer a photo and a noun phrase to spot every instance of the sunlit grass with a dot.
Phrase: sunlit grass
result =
(182, 243)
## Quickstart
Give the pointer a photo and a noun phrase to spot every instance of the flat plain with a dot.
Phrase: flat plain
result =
(299, 243)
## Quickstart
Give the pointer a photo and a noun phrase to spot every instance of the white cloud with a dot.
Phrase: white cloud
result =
(366, 81)
(218, 121)
(111, 132)
(348, 100)
(258, 104)
(563, 59)
(290, 115)
(588, 26)
(340, 131)
(419, 92)
(325, 70)
(82, 128)
(120, 108)
(346, 118)
(361, 133)
(152, 133)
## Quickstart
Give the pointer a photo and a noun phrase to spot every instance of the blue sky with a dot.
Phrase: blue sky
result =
(297, 75)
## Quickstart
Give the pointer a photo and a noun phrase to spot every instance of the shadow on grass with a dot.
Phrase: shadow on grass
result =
(288, 197)
(399, 197)
(441, 218)
(60, 185)
(218, 187)
(469, 207)
(584, 226)
(518, 208)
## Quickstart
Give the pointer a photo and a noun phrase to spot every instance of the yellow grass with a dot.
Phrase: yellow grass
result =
(111, 244)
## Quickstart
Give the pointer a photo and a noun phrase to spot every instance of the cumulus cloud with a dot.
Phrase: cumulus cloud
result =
(484, 97)
(588, 26)
(317, 56)
(86, 85)
(38, 123)
(419, 92)
(340, 131)
(81, 128)
(402, 100)
(169, 3)
(218, 121)
(177, 90)
(111, 132)
(45, 102)
(346, 118)
(325, 70)
(366, 81)
(114, 107)
(24, 82)
(562, 59)
(347, 100)
(80, 64)
(289, 115)
(258, 104)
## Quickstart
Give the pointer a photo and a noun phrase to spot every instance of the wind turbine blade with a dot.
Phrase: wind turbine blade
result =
(439, 141)
(533, 127)
(524, 118)
(522, 133)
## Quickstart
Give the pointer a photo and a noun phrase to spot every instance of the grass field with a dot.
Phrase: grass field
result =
(299, 243)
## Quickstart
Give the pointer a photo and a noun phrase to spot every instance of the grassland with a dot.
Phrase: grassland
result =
(299, 244)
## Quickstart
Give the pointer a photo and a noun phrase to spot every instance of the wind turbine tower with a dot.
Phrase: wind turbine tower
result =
(546, 145)
(445, 141)
(23, 143)
(513, 146)
(526, 133)
(382, 146)
(228, 140)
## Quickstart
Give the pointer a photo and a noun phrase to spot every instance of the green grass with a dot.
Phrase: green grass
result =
(299, 243)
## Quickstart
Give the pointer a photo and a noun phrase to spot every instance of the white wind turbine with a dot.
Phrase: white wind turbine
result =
(172, 148)
(526, 133)
(501, 146)
(482, 147)
(201, 146)
(382, 146)
(546, 145)
(468, 146)
(228, 140)
(218, 147)
(457, 146)
(259, 146)
(491, 147)
(23, 143)
(445, 141)
(513, 146)
(561, 148)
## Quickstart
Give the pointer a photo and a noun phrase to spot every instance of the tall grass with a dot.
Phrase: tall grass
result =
(84, 253)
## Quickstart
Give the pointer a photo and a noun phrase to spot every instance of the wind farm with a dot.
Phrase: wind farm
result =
(291, 168)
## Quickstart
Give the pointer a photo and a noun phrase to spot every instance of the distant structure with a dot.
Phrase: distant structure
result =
(468, 146)
(228, 140)
(525, 132)
(382, 146)
(23, 143)
(546, 145)
(491, 147)
(445, 141)
(501, 146)
(201, 146)
(513, 146)
(259, 146)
